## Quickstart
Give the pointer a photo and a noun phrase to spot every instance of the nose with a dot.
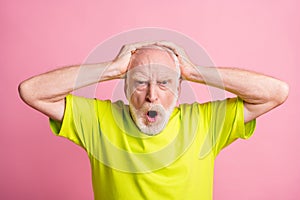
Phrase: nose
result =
(152, 93)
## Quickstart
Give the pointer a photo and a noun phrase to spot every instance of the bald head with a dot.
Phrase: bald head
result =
(154, 54)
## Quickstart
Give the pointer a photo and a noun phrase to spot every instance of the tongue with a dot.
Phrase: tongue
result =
(152, 113)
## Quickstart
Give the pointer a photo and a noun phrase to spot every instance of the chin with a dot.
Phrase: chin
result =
(150, 129)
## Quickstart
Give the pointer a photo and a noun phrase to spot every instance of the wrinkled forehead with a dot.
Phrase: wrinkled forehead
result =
(150, 61)
(153, 72)
(153, 55)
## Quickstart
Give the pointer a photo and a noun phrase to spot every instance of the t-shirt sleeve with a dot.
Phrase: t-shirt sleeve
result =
(226, 124)
(80, 123)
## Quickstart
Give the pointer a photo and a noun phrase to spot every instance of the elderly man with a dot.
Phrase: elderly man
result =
(151, 148)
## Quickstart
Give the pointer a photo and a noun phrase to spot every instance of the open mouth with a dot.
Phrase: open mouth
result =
(151, 115)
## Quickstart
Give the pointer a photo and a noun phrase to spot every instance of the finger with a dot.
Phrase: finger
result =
(138, 45)
(134, 46)
(170, 45)
(167, 44)
(126, 49)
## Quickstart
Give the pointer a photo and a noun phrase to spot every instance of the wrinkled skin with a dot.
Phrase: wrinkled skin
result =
(152, 88)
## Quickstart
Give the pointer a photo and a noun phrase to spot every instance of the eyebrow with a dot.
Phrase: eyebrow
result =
(166, 77)
(138, 75)
(143, 75)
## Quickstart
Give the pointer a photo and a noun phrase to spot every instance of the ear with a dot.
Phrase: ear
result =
(179, 87)
(126, 87)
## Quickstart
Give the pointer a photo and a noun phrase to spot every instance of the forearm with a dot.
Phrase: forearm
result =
(252, 87)
(260, 93)
(53, 86)
(46, 92)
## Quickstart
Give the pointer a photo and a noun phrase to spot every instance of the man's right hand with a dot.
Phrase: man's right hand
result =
(122, 60)
(46, 92)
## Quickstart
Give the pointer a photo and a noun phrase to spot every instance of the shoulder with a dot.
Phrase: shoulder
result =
(212, 106)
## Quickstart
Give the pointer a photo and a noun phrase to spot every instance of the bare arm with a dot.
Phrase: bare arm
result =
(46, 92)
(259, 92)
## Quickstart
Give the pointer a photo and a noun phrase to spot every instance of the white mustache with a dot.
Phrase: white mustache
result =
(153, 107)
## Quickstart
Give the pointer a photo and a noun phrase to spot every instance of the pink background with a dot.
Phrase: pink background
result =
(37, 36)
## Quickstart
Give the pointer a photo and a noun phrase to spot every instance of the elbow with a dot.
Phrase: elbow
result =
(282, 93)
(22, 91)
(25, 92)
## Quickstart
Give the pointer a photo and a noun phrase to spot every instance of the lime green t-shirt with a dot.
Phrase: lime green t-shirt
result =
(178, 163)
